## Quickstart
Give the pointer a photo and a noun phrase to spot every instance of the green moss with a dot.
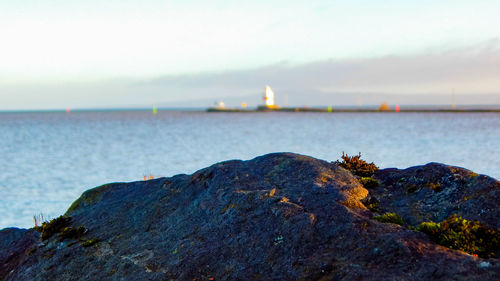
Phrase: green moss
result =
(368, 182)
(457, 233)
(89, 242)
(358, 167)
(74, 206)
(390, 218)
(90, 197)
(374, 207)
(71, 233)
(60, 226)
(93, 196)
(47, 229)
(428, 227)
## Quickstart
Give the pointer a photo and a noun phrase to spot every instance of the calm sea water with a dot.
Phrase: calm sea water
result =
(48, 159)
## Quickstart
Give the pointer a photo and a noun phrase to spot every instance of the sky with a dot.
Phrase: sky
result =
(97, 54)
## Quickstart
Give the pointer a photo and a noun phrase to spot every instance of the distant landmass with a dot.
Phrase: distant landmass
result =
(351, 100)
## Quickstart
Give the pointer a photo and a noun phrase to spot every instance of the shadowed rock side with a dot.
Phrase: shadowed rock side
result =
(435, 191)
(277, 217)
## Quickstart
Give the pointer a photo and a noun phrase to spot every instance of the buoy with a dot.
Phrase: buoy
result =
(397, 108)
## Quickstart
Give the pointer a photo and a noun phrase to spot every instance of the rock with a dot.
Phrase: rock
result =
(435, 191)
(280, 216)
(15, 245)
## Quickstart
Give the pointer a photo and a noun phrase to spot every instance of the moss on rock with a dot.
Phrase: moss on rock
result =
(390, 218)
(368, 182)
(47, 229)
(472, 237)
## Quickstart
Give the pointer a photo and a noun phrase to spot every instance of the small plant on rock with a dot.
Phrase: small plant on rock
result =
(357, 166)
(47, 229)
(390, 218)
(369, 182)
(70, 232)
(60, 226)
(39, 219)
(457, 233)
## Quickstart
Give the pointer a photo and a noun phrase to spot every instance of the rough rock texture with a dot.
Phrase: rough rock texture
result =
(435, 191)
(276, 217)
(15, 243)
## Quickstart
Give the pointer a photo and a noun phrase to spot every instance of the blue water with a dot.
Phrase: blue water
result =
(48, 159)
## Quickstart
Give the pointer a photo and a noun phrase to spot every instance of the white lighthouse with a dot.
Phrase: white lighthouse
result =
(268, 97)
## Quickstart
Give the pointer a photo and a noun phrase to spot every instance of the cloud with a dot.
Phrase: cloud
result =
(473, 72)
(414, 79)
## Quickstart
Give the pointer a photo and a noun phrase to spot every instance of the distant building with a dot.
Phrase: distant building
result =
(220, 104)
(268, 99)
(268, 96)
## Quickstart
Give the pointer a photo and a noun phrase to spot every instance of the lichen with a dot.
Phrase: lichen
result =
(324, 177)
(473, 175)
(223, 211)
(272, 192)
(435, 186)
(89, 242)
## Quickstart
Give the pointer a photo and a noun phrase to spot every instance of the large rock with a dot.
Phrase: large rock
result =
(435, 191)
(276, 217)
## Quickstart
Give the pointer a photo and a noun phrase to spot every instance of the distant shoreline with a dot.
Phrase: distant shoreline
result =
(351, 110)
(335, 109)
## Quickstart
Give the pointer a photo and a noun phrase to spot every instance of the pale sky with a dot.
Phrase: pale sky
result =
(57, 54)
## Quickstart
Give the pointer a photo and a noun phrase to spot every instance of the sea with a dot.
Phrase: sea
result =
(49, 158)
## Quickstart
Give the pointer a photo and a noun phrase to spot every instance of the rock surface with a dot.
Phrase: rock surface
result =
(280, 216)
(435, 191)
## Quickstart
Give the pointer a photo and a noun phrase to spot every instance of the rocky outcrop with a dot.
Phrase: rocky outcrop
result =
(435, 191)
(277, 217)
